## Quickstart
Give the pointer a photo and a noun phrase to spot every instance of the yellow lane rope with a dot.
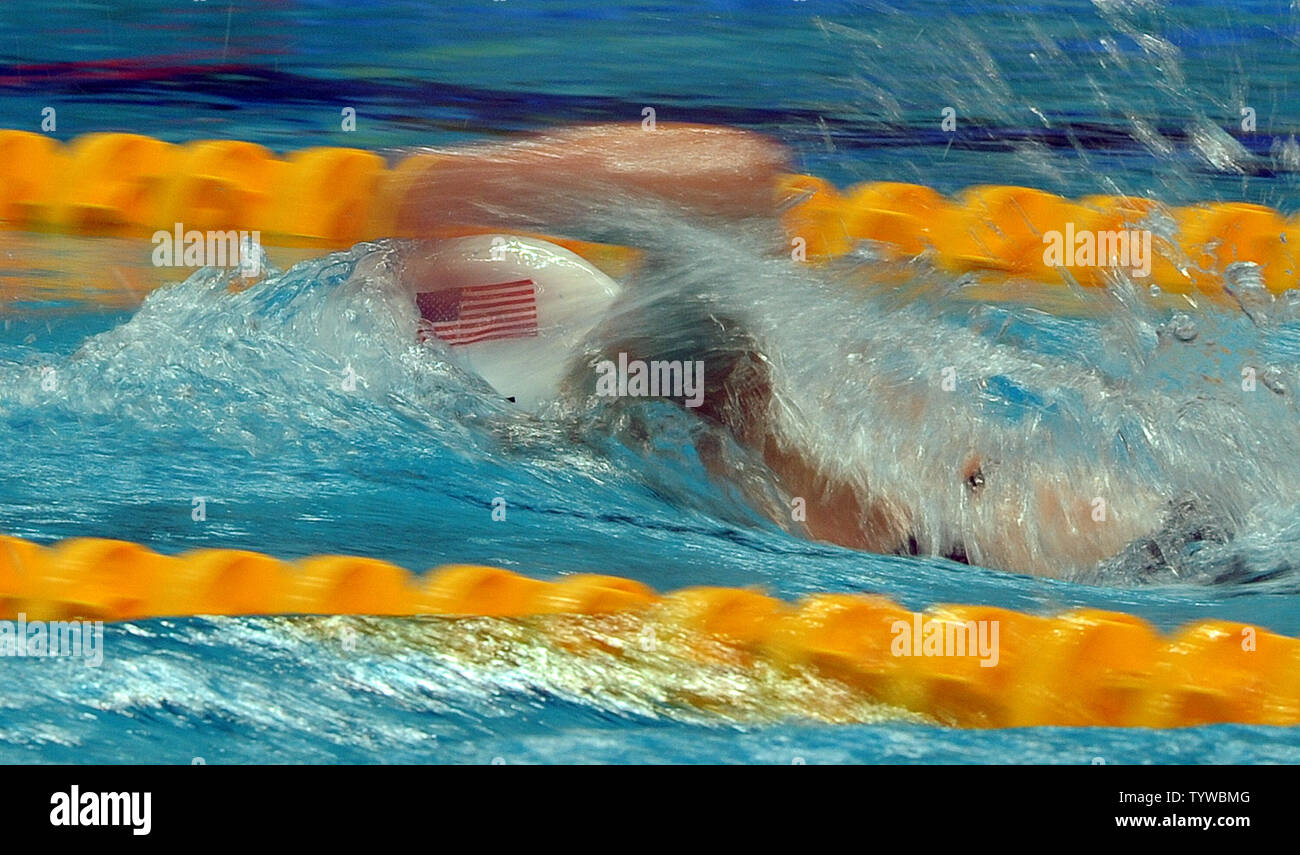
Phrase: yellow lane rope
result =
(965, 665)
(129, 184)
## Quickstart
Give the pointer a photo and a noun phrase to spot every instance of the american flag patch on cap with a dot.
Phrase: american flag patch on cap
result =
(479, 312)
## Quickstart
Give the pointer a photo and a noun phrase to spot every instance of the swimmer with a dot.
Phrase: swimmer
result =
(518, 309)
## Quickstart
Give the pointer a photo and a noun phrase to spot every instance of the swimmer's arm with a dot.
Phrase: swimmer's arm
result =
(738, 396)
(545, 179)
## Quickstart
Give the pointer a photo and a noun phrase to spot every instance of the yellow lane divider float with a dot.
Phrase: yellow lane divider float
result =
(128, 184)
(1084, 667)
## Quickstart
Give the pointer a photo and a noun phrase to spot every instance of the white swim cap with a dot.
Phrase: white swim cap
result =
(513, 309)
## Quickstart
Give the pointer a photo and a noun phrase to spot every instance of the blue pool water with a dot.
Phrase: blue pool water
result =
(236, 397)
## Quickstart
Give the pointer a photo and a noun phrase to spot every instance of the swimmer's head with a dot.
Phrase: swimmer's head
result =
(514, 310)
